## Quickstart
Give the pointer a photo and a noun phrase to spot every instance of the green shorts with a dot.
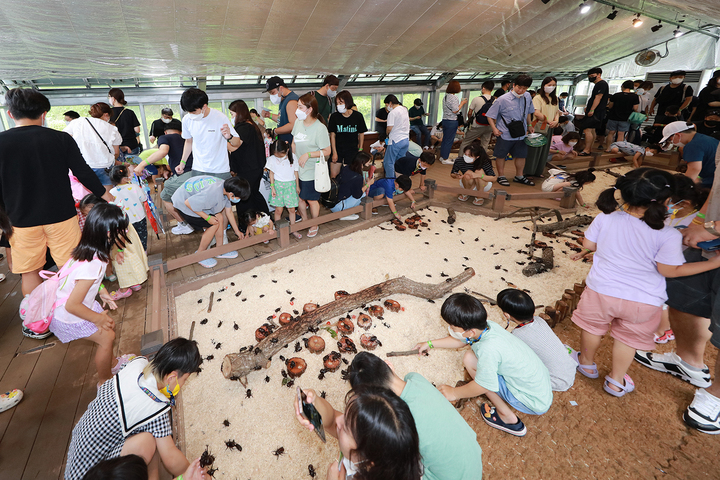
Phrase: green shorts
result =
(286, 195)
(172, 184)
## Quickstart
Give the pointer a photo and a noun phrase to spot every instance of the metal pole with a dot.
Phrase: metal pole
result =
(144, 125)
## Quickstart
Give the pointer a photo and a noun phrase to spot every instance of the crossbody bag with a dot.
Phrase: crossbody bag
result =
(99, 136)
(516, 128)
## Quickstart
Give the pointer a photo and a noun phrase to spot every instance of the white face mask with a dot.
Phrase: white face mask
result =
(195, 116)
(518, 95)
(676, 81)
(300, 114)
(649, 154)
(468, 159)
(549, 89)
(341, 108)
(331, 93)
(67, 122)
(166, 120)
(456, 335)
(572, 144)
(110, 100)
(233, 117)
(275, 99)
(389, 108)
(640, 91)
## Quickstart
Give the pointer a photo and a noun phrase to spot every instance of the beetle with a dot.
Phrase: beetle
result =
(279, 451)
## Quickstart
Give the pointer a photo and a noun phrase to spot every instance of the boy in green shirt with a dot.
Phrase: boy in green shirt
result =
(505, 369)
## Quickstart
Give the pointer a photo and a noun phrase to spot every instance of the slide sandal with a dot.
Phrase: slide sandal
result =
(627, 388)
(581, 368)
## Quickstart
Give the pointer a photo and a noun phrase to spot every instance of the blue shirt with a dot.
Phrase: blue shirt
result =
(387, 184)
(508, 108)
(702, 149)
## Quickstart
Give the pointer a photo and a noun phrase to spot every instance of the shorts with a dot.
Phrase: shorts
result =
(632, 323)
(287, 195)
(102, 176)
(172, 184)
(516, 148)
(376, 191)
(196, 222)
(198, 173)
(308, 192)
(692, 294)
(30, 244)
(617, 126)
(67, 327)
(510, 399)
(591, 122)
(346, 157)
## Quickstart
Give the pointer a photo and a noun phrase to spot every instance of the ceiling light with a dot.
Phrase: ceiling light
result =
(546, 1)
(657, 27)
(584, 7)
(677, 33)
(636, 21)
(612, 15)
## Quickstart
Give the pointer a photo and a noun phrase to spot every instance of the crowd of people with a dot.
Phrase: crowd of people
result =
(644, 285)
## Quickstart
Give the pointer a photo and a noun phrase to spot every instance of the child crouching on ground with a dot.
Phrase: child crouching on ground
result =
(504, 368)
(130, 198)
(385, 187)
(560, 179)
(257, 223)
(562, 147)
(518, 307)
(627, 148)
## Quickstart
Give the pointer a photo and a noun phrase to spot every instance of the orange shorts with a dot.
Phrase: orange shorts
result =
(632, 323)
(30, 244)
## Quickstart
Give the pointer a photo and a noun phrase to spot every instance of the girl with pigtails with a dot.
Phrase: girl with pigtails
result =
(634, 252)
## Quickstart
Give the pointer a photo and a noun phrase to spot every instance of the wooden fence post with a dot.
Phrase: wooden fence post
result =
(283, 232)
(431, 186)
(568, 198)
(367, 204)
(499, 201)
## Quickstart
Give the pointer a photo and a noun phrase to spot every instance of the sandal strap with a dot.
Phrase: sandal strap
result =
(616, 383)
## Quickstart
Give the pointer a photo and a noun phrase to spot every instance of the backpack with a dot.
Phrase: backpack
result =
(38, 308)
(480, 115)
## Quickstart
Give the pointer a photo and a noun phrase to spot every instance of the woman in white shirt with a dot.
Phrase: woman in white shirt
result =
(99, 141)
(452, 106)
(398, 134)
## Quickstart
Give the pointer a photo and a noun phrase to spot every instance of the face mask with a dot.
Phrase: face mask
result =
(592, 78)
(572, 144)
(233, 118)
(679, 144)
(711, 124)
(549, 89)
(341, 108)
(456, 335)
(649, 154)
(300, 114)
(518, 95)
(194, 116)
(275, 99)
(110, 100)
(468, 159)
(640, 91)
(234, 200)
(165, 391)
(676, 81)
(671, 208)
(331, 93)
(67, 122)
(166, 120)
(389, 108)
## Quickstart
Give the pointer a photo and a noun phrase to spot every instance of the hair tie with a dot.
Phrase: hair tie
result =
(666, 185)
(654, 200)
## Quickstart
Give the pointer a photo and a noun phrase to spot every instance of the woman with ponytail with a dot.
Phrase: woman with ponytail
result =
(634, 252)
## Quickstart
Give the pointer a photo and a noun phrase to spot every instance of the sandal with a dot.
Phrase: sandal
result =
(584, 154)
(117, 295)
(581, 368)
(524, 180)
(478, 201)
(627, 388)
(297, 235)
(122, 361)
(503, 181)
(312, 232)
(136, 288)
(463, 198)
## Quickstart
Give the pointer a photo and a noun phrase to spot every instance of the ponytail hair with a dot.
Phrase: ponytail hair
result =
(584, 176)
(643, 187)
(281, 146)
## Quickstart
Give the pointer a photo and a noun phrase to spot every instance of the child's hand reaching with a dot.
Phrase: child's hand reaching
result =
(448, 392)
(107, 299)
(422, 348)
(309, 398)
(577, 256)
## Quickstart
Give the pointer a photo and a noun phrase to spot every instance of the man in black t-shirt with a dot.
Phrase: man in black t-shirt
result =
(381, 123)
(595, 109)
(505, 86)
(674, 93)
(620, 107)
(157, 128)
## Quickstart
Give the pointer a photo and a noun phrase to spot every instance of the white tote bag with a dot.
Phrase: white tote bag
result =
(322, 175)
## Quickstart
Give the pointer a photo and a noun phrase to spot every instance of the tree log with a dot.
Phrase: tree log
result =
(236, 366)
(451, 216)
(544, 264)
(570, 222)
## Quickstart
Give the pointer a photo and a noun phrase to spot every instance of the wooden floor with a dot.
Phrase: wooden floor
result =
(60, 380)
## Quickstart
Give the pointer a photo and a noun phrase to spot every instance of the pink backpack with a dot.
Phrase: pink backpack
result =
(38, 308)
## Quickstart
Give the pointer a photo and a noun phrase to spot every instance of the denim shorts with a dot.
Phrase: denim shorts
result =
(517, 148)
(617, 126)
(307, 190)
(375, 191)
(507, 395)
(102, 176)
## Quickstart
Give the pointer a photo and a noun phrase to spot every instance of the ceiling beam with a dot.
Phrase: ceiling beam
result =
(444, 78)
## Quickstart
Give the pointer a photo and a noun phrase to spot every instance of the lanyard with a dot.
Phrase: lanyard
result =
(152, 395)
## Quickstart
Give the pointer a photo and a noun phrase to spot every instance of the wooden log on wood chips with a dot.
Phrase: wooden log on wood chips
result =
(236, 366)
(576, 221)
(543, 264)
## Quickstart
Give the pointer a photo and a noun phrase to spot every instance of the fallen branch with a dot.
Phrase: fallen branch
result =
(404, 353)
(570, 222)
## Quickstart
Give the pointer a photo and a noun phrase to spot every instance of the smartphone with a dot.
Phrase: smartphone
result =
(710, 245)
(310, 412)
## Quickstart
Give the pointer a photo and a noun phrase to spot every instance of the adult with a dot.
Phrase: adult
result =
(514, 109)
(347, 132)
(417, 125)
(131, 413)
(710, 126)
(595, 109)
(351, 188)
(126, 122)
(479, 125)
(381, 122)
(547, 116)
(287, 100)
(35, 186)
(645, 96)
(698, 151)
(620, 106)
(398, 130)
(310, 141)
(708, 98)
(157, 127)
(694, 311)
(563, 104)
(170, 145)
(674, 93)
(505, 86)
(452, 107)
(207, 134)
(325, 95)
(247, 156)
(70, 115)
(99, 141)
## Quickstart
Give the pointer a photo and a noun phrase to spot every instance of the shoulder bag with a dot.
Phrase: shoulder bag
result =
(516, 128)
(322, 175)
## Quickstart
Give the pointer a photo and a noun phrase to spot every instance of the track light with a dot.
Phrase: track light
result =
(636, 21)
(584, 7)
(657, 27)
(677, 33)
(612, 15)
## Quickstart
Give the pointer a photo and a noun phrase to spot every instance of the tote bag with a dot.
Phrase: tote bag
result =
(322, 175)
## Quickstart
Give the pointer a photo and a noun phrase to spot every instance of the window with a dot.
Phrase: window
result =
(55, 118)
(154, 112)
(364, 106)
(441, 99)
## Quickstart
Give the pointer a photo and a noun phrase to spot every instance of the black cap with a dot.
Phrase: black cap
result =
(418, 102)
(273, 82)
(678, 73)
(174, 124)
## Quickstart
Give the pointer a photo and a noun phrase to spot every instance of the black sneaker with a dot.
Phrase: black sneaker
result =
(37, 336)
(493, 419)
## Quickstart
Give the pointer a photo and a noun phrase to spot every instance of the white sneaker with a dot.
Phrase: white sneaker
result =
(213, 242)
(9, 399)
(351, 217)
(671, 363)
(182, 229)
(488, 187)
(446, 162)
(703, 414)
(208, 262)
(233, 254)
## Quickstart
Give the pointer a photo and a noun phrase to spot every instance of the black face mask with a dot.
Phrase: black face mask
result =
(592, 78)
(711, 124)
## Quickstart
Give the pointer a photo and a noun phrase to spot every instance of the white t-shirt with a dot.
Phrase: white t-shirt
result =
(477, 104)
(130, 198)
(209, 148)
(92, 270)
(283, 171)
(95, 153)
(399, 119)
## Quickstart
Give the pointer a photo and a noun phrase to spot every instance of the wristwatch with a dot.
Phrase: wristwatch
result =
(710, 227)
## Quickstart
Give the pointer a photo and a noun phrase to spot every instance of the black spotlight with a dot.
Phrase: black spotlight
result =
(612, 15)
(657, 27)
(546, 1)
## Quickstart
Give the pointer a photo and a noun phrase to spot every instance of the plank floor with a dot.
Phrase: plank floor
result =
(60, 380)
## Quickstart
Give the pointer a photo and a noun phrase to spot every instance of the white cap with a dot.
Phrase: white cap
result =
(675, 127)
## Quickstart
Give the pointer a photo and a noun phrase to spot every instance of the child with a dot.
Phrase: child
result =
(130, 198)
(537, 334)
(504, 368)
(284, 181)
(563, 147)
(410, 166)
(267, 140)
(634, 252)
(385, 187)
(566, 125)
(474, 171)
(205, 202)
(559, 179)
(627, 148)
(78, 314)
(131, 268)
(436, 134)
(257, 223)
